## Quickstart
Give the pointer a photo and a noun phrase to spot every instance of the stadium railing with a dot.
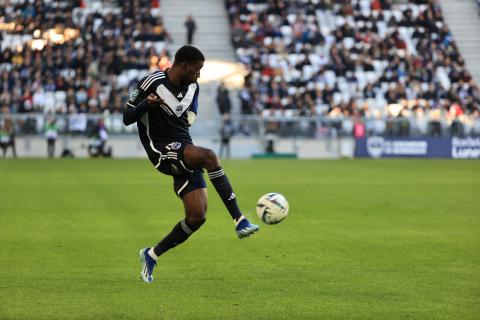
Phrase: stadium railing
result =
(83, 125)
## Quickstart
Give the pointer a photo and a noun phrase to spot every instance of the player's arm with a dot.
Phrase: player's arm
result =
(133, 114)
(141, 100)
(136, 106)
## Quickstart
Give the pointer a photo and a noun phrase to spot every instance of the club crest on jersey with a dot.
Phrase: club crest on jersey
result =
(179, 109)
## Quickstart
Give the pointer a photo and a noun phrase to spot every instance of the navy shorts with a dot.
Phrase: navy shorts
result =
(172, 163)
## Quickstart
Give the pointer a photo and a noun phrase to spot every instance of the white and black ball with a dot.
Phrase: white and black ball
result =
(272, 208)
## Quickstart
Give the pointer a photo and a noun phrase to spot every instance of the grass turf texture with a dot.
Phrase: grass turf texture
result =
(397, 239)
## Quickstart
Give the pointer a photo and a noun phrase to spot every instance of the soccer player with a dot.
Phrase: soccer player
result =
(164, 105)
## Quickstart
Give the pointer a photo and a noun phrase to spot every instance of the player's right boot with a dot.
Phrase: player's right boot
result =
(148, 264)
(245, 228)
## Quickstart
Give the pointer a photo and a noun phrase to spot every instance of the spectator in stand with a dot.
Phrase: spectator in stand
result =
(359, 129)
(226, 133)
(223, 100)
(246, 101)
(378, 52)
(191, 27)
(85, 48)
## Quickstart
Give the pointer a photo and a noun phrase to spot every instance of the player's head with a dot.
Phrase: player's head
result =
(189, 60)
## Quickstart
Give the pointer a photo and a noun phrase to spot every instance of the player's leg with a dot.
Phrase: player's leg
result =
(195, 204)
(191, 189)
(198, 157)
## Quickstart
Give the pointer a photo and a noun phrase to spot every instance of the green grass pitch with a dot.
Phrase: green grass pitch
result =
(365, 239)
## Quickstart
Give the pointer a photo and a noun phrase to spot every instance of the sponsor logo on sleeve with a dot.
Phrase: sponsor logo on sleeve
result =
(134, 95)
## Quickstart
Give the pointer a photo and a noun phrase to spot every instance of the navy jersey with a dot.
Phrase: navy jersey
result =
(171, 120)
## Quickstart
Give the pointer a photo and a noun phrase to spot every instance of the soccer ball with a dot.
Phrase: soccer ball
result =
(272, 208)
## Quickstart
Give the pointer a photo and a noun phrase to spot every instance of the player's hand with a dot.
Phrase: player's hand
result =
(154, 100)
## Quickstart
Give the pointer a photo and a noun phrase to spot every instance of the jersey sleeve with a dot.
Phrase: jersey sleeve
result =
(137, 96)
(137, 103)
(150, 83)
(146, 86)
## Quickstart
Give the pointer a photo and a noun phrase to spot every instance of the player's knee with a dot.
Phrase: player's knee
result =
(196, 221)
(211, 160)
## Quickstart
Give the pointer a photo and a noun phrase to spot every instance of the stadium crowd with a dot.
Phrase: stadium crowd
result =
(360, 58)
(343, 59)
(76, 56)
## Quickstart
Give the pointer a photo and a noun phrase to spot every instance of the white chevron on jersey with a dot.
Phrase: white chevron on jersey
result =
(178, 107)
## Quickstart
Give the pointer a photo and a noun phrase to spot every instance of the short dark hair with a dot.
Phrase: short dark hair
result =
(188, 54)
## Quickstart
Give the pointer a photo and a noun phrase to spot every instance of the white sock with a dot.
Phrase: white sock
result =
(152, 254)
(239, 219)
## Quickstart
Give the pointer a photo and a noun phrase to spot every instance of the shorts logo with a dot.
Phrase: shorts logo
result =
(134, 95)
(174, 146)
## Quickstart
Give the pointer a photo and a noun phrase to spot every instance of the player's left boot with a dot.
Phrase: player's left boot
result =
(148, 264)
(245, 228)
